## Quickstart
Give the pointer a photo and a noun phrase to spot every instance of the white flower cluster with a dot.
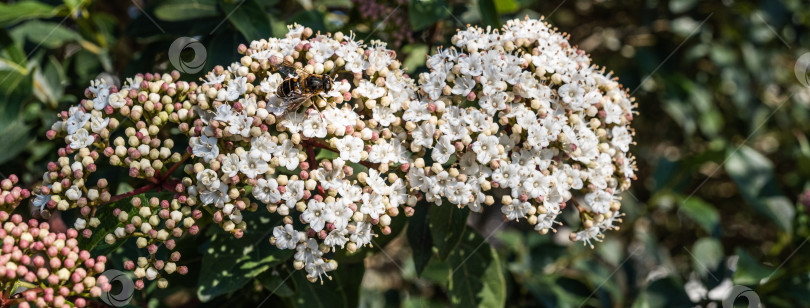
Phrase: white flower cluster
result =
(521, 114)
(515, 117)
(248, 145)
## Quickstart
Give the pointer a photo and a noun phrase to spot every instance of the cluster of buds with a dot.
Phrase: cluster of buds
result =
(154, 104)
(10, 195)
(46, 268)
(155, 223)
(526, 117)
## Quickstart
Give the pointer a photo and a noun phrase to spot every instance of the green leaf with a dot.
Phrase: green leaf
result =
(15, 133)
(704, 214)
(507, 6)
(46, 34)
(230, 262)
(476, 278)
(426, 13)
(749, 271)
(754, 176)
(343, 290)
(447, 223)
(12, 13)
(249, 18)
(419, 238)
(489, 14)
(707, 254)
(274, 282)
(179, 10)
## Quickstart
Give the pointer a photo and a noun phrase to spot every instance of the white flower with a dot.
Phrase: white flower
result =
(369, 90)
(208, 178)
(264, 146)
(204, 147)
(372, 205)
(98, 123)
(350, 148)
(41, 200)
(314, 215)
(599, 201)
(81, 139)
(117, 100)
(485, 148)
(252, 165)
(287, 155)
(76, 120)
(230, 164)
(294, 192)
(266, 190)
(216, 196)
(444, 148)
(241, 125)
(339, 213)
(286, 237)
(362, 233)
(516, 209)
(464, 84)
(435, 84)
(423, 135)
(384, 115)
(236, 88)
(73, 193)
(314, 126)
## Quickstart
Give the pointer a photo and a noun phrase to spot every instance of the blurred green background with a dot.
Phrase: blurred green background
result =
(723, 155)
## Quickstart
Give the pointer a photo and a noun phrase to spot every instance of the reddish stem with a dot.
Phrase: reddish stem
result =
(174, 167)
(138, 191)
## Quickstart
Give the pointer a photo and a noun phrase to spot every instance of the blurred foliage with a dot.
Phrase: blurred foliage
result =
(722, 150)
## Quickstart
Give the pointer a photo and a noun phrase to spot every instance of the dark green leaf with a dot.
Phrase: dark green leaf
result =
(749, 270)
(57, 35)
(707, 253)
(230, 263)
(11, 13)
(426, 13)
(274, 281)
(419, 237)
(343, 290)
(249, 18)
(754, 176)
(476, 279)
(703, 213)
(15, 133)
(447, 223)
(179, 10)
(489, 14)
